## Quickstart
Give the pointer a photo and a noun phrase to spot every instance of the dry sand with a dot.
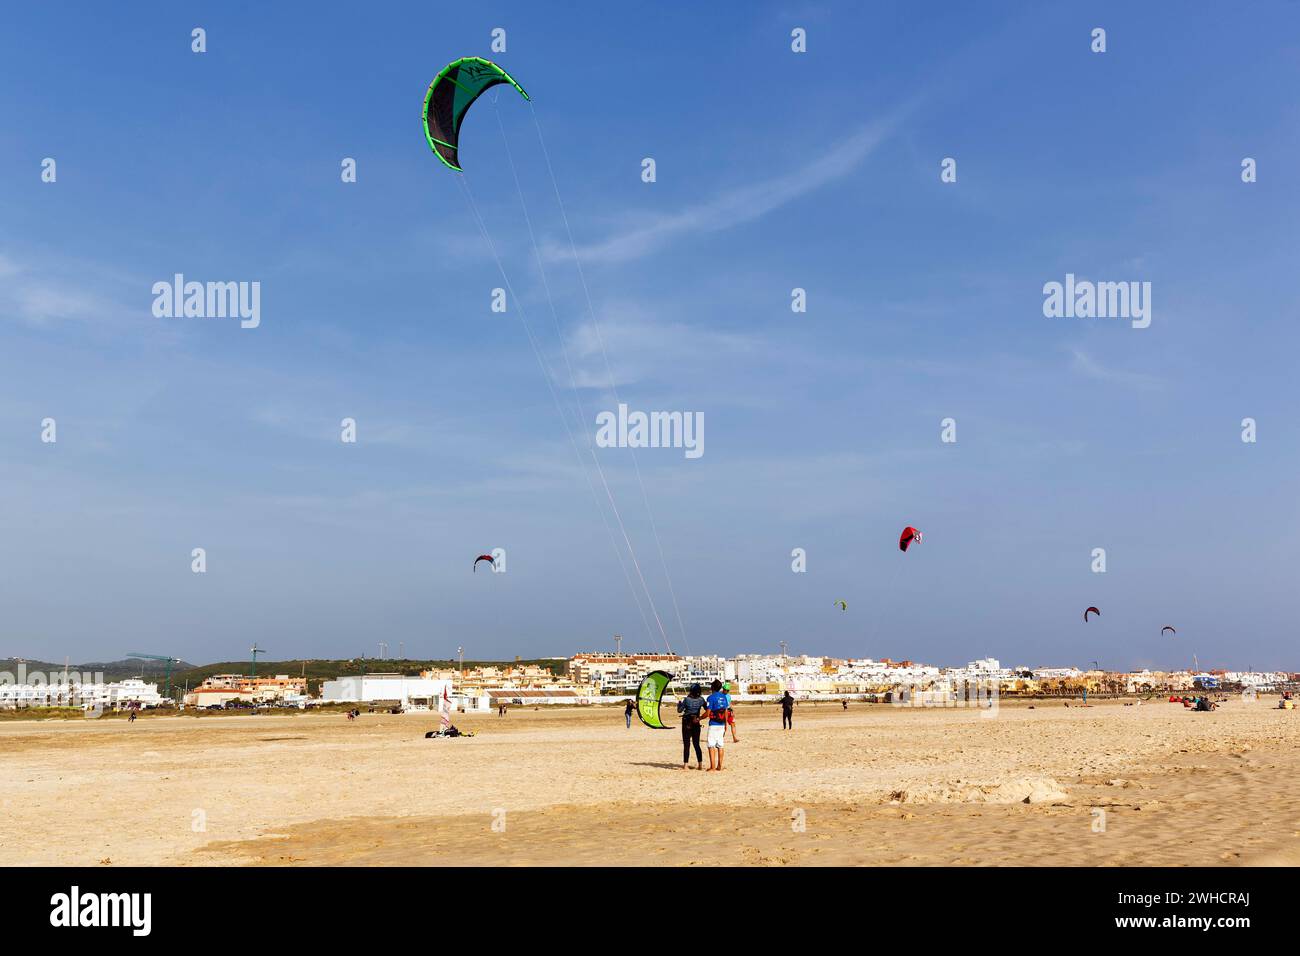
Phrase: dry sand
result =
(873, 785)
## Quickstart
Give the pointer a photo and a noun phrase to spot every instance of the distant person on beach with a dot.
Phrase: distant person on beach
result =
(691, 707)
(844, 704)
(787, 712)
(627, 713)
(131, 719)
(718, 703)
(731, 715)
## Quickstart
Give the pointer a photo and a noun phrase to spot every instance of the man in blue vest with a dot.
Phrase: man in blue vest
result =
(717, 703)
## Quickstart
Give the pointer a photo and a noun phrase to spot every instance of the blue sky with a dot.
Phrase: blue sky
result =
(775, 170)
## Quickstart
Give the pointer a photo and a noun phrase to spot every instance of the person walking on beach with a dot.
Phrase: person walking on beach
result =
(627, 713)
(691, 707)
(718, 703)
(787, 712)
(731, 715)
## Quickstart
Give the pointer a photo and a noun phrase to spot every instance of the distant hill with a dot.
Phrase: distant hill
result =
(112, 670)
(317, 671)
(185, 674)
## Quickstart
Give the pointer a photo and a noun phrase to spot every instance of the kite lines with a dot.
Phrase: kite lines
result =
(446, 102)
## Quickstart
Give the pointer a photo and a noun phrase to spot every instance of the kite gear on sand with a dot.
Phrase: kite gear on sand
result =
(451, 731)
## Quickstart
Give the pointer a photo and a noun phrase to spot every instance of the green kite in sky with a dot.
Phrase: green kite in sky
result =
(450, 95)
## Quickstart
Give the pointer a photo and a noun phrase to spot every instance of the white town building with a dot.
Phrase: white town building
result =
(96, 695)
(413, 693)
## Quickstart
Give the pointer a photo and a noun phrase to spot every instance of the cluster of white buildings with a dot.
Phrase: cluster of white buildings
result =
(1266, 680)
(593, 677)
(618, 673)
(481, 689)
(88, 695)
(749, 674)
(754, 675)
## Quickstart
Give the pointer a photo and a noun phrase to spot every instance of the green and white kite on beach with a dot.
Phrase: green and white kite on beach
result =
(452, 92)
(648, 697)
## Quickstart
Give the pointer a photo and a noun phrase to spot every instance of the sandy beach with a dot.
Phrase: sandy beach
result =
(1107, 785)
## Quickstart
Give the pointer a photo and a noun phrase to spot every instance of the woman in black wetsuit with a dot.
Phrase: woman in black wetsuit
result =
(787, 712)
(691, 707)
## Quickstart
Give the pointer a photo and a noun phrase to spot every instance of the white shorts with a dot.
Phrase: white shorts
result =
(717, 735)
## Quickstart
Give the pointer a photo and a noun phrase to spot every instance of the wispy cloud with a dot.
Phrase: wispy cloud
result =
(54, 289)
(1085, 364)
(37, 299)
(641, 348)
(737, 206)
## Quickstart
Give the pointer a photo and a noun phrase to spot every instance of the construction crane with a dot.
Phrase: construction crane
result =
(255, 650)
(169, 661)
